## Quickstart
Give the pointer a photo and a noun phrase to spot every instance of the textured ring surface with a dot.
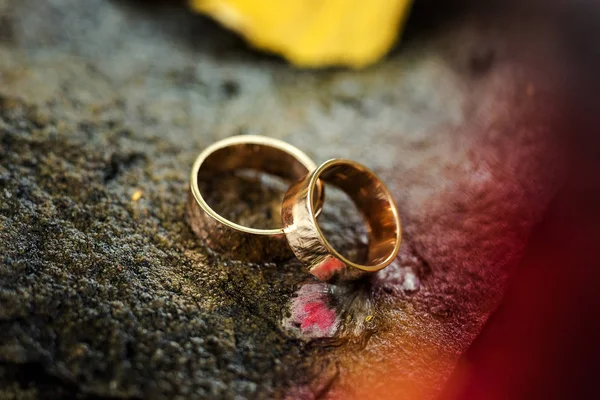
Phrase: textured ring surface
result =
(374, 201)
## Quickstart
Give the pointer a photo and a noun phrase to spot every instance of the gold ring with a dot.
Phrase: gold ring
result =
(259, 153)
(374, 201)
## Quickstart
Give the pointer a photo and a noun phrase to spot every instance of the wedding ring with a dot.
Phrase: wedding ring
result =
(259, 153)
(373, 200)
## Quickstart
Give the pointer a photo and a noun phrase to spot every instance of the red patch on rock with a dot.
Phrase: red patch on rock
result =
(311, 317)
(317, 314)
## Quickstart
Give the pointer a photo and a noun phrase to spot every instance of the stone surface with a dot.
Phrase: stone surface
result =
(104, 290)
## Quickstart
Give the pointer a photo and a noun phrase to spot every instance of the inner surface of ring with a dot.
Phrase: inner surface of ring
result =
(220, 165)
(258, 157)
(373, 201)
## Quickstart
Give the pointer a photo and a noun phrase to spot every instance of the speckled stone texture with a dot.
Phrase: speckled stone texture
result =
(105, 295)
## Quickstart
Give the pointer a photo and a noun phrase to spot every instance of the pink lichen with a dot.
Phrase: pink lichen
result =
(311, 316)
(318, 315)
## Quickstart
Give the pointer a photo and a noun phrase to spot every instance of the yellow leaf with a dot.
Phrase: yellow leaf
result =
(314, 33)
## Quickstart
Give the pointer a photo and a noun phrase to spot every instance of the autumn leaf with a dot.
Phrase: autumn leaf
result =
(314, 33)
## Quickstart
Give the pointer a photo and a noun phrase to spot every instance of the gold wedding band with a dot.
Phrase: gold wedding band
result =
(374, 201)
(259, 153)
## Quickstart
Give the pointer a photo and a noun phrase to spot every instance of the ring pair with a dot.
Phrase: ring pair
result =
(301, 205)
